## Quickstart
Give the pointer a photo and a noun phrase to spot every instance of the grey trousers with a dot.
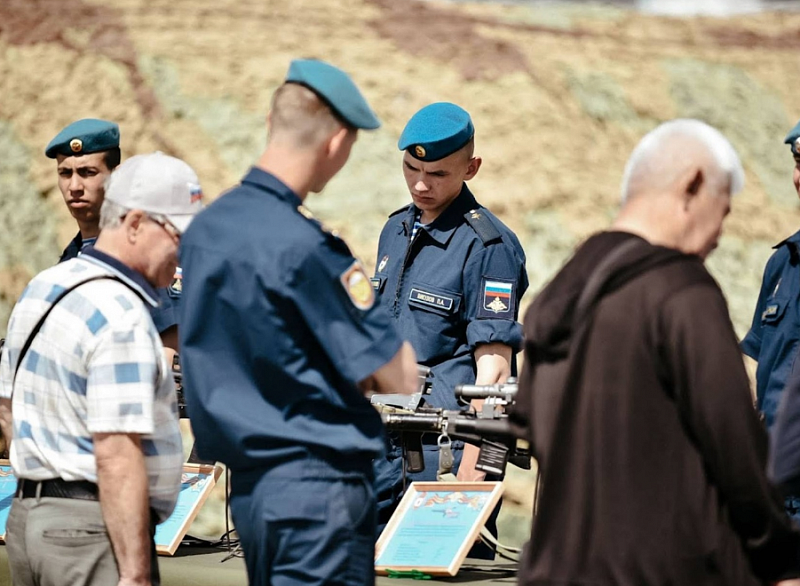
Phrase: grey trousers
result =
(58, 541)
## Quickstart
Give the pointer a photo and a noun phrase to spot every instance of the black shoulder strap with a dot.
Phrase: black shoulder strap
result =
(483, 226)
(402, 209)
(599, 277)
(39, 324)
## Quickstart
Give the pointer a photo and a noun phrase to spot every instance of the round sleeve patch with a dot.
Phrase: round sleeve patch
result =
(358, 286)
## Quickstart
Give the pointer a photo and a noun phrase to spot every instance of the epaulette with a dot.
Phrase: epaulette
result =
(483, 226)
(306, 213)
(402, 209)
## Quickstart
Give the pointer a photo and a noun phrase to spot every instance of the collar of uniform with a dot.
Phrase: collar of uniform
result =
(794, 239)
(72, 249)
(443, 227)
(124, 272)
(268, 182)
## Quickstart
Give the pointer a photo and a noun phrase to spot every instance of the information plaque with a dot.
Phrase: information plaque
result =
(8, 486)
(434, 527)
(197, 482)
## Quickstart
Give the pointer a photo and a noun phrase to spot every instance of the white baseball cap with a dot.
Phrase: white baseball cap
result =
(158, 184)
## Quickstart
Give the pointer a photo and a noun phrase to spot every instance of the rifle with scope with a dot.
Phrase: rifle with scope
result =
(488, 428)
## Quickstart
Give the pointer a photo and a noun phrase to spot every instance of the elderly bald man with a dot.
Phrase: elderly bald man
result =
(635, 397)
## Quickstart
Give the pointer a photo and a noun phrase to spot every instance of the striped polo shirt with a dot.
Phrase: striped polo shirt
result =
(96, 366)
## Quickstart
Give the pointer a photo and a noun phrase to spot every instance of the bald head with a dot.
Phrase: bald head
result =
(670, 151)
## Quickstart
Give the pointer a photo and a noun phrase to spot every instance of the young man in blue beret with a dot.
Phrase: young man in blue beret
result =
(87, 151)
(774, 336)
(281, 335)
(450, 275)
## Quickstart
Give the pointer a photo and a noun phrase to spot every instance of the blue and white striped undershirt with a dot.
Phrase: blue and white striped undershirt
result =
(417, 225)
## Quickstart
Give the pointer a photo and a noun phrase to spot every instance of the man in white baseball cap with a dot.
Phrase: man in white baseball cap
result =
(96, 445)
(157, 184)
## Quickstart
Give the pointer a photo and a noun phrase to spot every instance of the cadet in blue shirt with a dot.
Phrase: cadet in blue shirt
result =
(281, 335)
(87, 151)
(450, 275)
(774, 336)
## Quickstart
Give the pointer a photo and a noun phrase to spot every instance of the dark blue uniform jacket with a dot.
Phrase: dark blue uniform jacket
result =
(456, 286)
(775, 332)
(278, 325)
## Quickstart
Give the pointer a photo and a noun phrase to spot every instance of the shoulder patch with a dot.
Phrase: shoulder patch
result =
(482, 225)
(498, 299)
(358, 286)
(402, 209)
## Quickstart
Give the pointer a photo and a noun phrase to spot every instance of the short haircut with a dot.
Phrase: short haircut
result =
(469, 148)
(656, 160)
(111, 214)
(112, 158)
(301, 117)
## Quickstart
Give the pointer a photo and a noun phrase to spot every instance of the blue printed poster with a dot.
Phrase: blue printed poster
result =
(433, 529)
(8, 486)
(193, 485)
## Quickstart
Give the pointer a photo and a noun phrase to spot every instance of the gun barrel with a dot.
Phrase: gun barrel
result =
(433, 422)
(416, 422)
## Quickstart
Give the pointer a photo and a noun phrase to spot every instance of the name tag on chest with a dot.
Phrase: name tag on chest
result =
(432, 299)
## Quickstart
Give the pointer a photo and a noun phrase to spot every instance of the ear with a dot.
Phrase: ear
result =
(695, 182)
(472, 168)
(133, 223)
(336, 141)
(691, 184)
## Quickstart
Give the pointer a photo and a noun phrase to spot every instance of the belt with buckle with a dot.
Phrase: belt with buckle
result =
(57, 488)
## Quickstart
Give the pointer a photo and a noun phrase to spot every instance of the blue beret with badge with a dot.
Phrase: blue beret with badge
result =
(793, 139)
(436, 131)
(89, 135)
(336, 88)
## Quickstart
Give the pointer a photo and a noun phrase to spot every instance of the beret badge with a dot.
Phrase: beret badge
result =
(419, 151)
(76, 144)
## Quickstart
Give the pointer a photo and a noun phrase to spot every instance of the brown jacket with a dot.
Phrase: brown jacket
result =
(653, 466)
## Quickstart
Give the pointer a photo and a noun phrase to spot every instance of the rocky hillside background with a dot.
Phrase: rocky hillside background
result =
(559, 95)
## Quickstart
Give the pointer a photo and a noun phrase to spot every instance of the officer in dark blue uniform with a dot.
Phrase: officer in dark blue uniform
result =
(450, 275)
(774, 335)
(281, 336)
(87, 151)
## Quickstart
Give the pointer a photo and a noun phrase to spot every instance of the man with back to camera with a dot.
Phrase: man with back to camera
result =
(96, 445)
(635, 397)
(281, 336)
(774, 336)
(86, 152)
(450, 275)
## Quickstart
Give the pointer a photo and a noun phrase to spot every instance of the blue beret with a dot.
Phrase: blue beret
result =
(83, 137)
(791, 138)
(336, 88)
(436, 131)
